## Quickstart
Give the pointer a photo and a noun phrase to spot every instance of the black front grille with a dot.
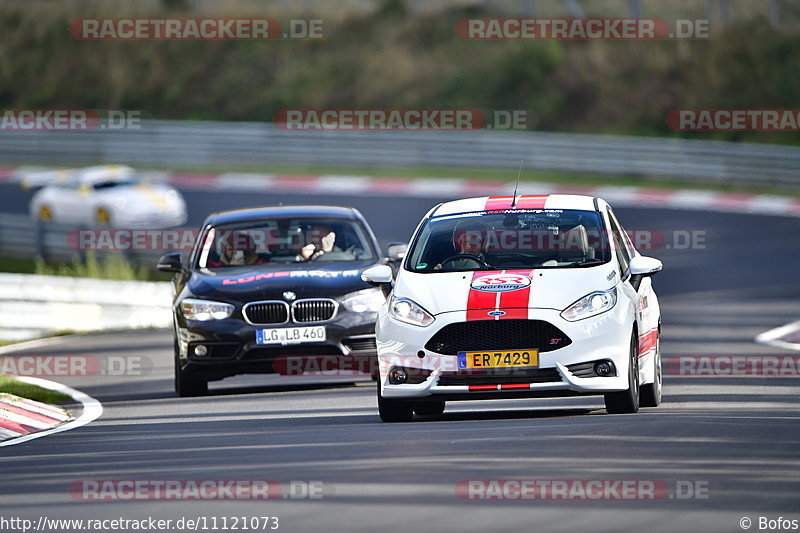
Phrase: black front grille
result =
(497, 335)
(583, 370)
(313, 310)
(360, 344)
(500, 376)
(267, 312)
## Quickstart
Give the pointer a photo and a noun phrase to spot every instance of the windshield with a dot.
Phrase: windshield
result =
(284, 240)
(543, 238)
(110, 184)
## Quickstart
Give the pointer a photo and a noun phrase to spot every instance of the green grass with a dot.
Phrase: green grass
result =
(111, 266)
(32, 392)
(99, 266)
(8, 343)
(19, 266)
(393, 57)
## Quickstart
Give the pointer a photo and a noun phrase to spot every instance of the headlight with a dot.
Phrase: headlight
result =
(366, 301)
(204, 310)
(590, 305)
(410, 312)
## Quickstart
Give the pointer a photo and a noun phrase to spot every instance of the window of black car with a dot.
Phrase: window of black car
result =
(543, 238)
(284, 240)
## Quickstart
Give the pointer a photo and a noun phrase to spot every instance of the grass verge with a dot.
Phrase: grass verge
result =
(111, 266)
(9, 385)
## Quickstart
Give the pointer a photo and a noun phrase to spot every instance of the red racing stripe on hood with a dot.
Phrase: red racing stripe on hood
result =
(479, 303)
(498, 203)
(514, 303)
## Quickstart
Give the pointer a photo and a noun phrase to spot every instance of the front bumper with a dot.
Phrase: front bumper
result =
(605, 337)
(232, 347)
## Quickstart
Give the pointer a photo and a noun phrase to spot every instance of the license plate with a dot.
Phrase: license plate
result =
(498, 359)
(285, 336)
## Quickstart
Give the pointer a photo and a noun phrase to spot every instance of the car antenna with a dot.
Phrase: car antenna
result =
(516, 185)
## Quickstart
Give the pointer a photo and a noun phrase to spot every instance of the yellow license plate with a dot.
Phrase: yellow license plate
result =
(498, 359)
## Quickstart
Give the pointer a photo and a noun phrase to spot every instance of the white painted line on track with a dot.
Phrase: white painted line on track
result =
(787, 336)
(92, 409)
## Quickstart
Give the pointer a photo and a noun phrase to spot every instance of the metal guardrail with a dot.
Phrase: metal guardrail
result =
(217, 144)
(23, 238)
(33, 306)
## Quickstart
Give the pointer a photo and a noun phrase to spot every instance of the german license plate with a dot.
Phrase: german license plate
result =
(285, 336)
(498, 359)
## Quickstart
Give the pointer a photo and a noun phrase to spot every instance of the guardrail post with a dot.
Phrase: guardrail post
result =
(635, 9)
(40, 234)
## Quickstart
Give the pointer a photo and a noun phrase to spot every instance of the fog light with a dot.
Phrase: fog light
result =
(604, 368)
(397, 376)
(200, 350)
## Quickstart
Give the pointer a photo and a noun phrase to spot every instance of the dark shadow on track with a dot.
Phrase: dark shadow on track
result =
(504, 415)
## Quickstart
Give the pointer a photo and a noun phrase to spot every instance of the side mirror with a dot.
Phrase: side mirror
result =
(396, 251)
(170, 263)
(379, 276)
(645, 266)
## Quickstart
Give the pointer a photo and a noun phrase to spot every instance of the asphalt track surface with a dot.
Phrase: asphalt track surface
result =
(735, 436)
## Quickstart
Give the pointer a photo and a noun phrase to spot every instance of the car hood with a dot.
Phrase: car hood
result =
(545, 288)
(269, 282)
(146, 196)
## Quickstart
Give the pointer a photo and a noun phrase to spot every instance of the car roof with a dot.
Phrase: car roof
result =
(256, 213)
(89, 175)
(525, 201)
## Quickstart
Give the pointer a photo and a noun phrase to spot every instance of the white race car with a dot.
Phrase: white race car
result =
(108, 195)
(510, 297)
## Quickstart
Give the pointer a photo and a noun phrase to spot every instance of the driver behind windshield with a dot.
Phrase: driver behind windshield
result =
(468, 238)
(236, 249)
(320, 239)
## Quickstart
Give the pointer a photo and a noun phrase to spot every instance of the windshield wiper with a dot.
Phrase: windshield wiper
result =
(589, 262)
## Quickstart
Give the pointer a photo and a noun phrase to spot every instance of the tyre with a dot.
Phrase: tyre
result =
(650, 395)
(627, 401)
(188, 384)
(429, 408)
(394, 410)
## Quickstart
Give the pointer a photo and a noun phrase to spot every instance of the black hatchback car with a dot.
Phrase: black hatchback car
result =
(269, 289)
